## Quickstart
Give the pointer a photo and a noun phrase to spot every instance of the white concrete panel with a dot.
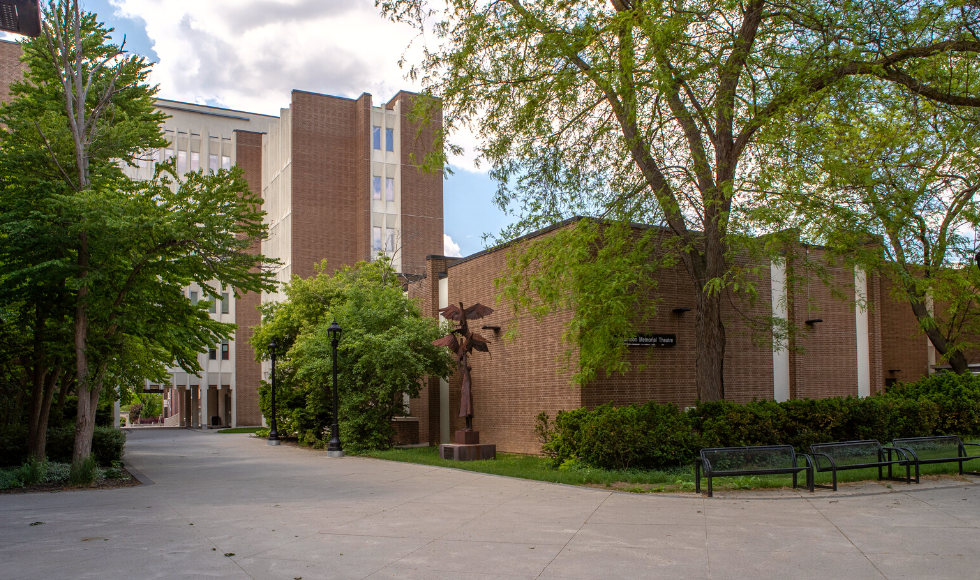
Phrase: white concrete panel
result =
(780, 350)
(861, 330)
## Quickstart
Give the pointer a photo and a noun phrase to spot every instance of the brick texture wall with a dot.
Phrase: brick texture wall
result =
(421, 191)
(903, 342)
(248, 373)
(11, 69)
(521, 378)
(329, 179)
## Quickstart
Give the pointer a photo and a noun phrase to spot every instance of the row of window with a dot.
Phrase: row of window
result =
(215, 162)
(213, 307)
(389, 240)
(389, 139)
(389, 188)
(213, 353)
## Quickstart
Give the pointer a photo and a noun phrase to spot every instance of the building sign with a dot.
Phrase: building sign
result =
(652, 340)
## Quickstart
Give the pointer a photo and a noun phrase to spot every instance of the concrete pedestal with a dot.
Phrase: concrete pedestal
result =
(476, 452)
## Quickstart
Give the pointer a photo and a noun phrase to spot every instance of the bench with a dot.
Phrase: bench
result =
(756, 460)
(844, 455)
(939, 449)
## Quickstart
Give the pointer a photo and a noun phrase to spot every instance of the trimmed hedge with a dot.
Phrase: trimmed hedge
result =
(107, 445)
(659, 436)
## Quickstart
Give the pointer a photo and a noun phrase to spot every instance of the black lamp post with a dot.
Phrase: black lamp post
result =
(273, 433)
(333, 447)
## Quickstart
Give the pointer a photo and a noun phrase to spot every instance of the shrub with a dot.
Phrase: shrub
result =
(649, 436)
(657, 436)
(83, 472)
(33, 471)
(107, 445)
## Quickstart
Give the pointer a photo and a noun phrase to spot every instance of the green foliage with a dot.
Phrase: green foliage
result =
(385, 351)
(957, 397)
(83, 472)
(655, 436)
(649, 436)
(107, 445)
(33, 471)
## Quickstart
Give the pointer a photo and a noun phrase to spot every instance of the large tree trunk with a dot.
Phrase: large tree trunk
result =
(709, 354)
(85, 386)
(927, 322)
(37, 431)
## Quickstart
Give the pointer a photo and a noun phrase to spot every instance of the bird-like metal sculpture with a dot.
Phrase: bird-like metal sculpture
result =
(462, 341)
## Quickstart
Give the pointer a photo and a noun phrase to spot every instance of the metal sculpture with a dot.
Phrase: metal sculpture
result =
(467, 342)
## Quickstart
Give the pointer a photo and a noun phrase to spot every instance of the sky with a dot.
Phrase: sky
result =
(249, 55)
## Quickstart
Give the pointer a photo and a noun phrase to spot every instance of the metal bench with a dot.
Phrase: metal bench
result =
(844, 455)
(939, 449)
(757, 460)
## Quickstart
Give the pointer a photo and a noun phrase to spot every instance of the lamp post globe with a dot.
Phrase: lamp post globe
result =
(333, 447)
(273, 433)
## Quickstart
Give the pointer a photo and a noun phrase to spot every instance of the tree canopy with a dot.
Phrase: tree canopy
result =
(384, 353)
(651, 111)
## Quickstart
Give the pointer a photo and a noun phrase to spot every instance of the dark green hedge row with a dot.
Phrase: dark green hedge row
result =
(656, 436)
(107, 445)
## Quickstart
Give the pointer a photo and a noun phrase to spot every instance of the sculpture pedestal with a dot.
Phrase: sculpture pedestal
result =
(477, 452)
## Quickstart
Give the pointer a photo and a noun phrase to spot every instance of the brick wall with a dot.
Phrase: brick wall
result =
(248, 373)
(421, 191)
(11, 69)
(903, 342)
(329, 179)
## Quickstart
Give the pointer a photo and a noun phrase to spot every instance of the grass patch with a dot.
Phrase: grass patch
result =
(637, 481)
(241, 430)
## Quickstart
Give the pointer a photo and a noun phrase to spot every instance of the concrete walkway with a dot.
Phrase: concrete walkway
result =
(289, 513)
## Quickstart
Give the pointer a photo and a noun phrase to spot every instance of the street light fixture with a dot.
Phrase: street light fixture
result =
(273, 433)
(333, 448)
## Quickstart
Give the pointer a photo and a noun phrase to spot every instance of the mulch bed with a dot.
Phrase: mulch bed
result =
(56, 487)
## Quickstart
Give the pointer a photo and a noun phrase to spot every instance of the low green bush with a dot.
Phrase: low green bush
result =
(659, 436)
(107, 445)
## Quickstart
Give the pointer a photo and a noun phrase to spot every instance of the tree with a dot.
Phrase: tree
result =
(385, 351)
(884, 165)
(131, 247)
(650, 111)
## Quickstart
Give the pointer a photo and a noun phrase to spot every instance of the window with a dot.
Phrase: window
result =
(224, 351)
(376, 138)
(377, 239)
(212, 354)
(376, 188)
(213, 163)
(211, 308)
(182, 162)
(194, 298)
(389, 240)
(195, 161)
(389, 139)
(225, 162)
(389, 189)
(224, 303)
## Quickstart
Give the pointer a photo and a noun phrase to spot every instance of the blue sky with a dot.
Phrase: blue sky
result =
(249, 54)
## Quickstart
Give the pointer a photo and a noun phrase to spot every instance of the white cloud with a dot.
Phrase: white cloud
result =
(249, 54)
(449, 247)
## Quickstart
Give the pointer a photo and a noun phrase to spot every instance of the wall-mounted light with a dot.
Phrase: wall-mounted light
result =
(894, 370)
(493, 328)
(813, 321)
(681, 310)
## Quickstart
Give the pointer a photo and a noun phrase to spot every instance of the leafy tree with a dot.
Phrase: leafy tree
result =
(650, 111)
(385, 351)
(883, 163)
(129, 247)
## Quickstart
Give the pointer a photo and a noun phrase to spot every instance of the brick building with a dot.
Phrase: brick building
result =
(340, 183)
(852, 339)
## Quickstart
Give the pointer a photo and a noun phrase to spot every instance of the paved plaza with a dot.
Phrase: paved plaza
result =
(287, 513)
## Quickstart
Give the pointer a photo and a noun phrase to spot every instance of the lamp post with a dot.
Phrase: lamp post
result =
(333, 447)
(273, 433)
